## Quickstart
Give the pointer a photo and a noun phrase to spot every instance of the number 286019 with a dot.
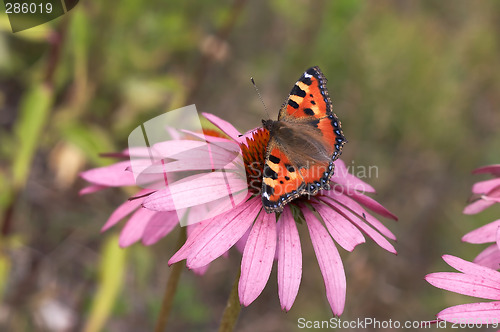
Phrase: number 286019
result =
(25, 8)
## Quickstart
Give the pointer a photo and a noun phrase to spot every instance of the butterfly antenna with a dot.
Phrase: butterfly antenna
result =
(260, 97)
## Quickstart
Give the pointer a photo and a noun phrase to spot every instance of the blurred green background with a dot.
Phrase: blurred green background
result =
(416, 85)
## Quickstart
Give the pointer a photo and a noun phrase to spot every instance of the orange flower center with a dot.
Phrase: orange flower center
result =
(254, 155)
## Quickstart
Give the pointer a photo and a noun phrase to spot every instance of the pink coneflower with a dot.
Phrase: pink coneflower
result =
(475, 280)
(338, 214)
(486, 194)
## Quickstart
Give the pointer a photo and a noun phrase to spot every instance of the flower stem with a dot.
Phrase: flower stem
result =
(171, 287)
(233, 308)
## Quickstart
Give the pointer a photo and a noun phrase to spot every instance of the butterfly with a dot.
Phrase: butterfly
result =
(303, 144)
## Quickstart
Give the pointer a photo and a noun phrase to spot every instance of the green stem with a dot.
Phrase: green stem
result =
(171, 287)
(233, 308)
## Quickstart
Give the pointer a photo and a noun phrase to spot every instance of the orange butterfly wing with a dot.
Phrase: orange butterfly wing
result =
(303, 144)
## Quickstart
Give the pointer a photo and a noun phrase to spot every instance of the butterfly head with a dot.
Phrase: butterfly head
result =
(272, 126)
(267, 124)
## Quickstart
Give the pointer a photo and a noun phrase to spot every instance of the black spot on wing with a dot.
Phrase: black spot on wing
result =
(274, 159)
(269, 173)
(308, 111)
(293, 104)
(290, 168)
(298, 91)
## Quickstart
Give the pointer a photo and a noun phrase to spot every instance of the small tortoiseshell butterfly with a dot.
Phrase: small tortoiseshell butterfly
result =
(304, 142)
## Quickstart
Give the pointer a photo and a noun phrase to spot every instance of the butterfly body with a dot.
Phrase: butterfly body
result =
(304, 142)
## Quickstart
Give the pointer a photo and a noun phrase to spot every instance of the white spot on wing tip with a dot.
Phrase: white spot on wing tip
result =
(307, 75)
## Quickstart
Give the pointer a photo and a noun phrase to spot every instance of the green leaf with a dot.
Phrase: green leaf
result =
(111, 275)
(34, 113)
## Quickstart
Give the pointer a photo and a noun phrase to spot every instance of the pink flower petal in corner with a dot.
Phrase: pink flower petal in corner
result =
(289, 260)
(329, 262)
(477, 206)
(466, 284)
(471, 268)
(484, 187)
(114, 175)
(225, 126)
(483, 312)
(133, 230)
(258, 258)
(489, 257)
(492, 169)
(483, 234)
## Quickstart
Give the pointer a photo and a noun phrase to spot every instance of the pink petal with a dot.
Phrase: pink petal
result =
(167, 149)
(258, 257)
(207, 137)
(371, 204)
(241, 243)
(466, 284)
(211, 238)
(91, 189)
(489, 257)
(159, 226)
(483, 234)
(249, 135)
(112, 176)
(341, 229)
(471, 268)
(473, 313)
(492, 169)
(342, 176)
(133, 230)
(200, 190)
(289, 260)
(201, 270)
(125, 209)
(498, 238)
(205, 157)
(193, 231)
(357, 209)
(477, 206)
(373, 234)
(484, 187)
(225, 126)
(329, 262)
